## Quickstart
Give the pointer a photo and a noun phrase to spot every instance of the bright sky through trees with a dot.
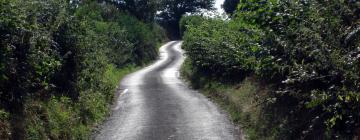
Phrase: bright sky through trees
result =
(218, 4)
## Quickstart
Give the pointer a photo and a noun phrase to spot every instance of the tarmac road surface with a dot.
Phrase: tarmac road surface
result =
(155, 104)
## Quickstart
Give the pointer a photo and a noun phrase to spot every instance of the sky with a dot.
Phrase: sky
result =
(219, 12)
(218, 4)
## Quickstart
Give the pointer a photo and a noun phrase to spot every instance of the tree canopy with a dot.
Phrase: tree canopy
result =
(230, 6)
(144, 10)
(171, 12)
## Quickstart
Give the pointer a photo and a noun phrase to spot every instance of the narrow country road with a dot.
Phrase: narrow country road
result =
(154, 104)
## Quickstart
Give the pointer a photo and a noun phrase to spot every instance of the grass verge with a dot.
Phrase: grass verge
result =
(243, 101)
(114, 75)
(62, 118)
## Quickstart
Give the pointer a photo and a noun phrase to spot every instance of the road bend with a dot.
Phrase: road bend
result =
(155, 104)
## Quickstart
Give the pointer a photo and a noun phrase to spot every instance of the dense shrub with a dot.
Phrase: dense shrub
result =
(4, 125)
(55, 59)
(222, 49)
(230, 6)
(189, 21)
(307, 50)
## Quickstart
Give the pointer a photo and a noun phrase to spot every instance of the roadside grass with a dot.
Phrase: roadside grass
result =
(59, 117)
(114, 75)
(242, 101)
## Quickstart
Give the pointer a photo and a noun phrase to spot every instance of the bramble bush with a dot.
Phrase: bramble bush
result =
(308, 51)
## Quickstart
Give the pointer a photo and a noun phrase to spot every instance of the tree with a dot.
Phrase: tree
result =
(172, 10)
(144, 10)
(230, 6)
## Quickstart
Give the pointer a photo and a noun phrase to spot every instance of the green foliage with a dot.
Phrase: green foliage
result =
(114, 75)
(93, 106)
(189, 21)
(243, 101)
(57, 63)
(220, 49)
(144, 10)
(308, 51)
(171, 11)
(230, 6)
(47, 120)
(28, 57)
(60, 113)
(4, 125)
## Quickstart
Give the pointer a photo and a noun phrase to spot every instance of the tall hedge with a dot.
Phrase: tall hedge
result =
(308, 51)
(54, 57)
